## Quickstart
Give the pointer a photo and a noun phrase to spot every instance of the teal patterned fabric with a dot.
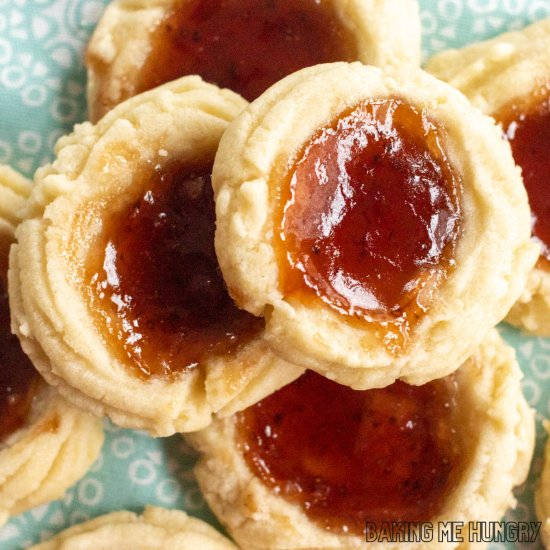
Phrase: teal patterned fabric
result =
(42, 95)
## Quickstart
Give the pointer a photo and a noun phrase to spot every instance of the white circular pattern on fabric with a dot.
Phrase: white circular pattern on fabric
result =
(91, 12)
(123, 447)
(514, 7)
(538, 10)
(193, 500)
(168, 491)
(29, 142)
(531, 391)
(13, 77)
(455, 23)
(90, 492)
(142, 472)
(6, 51)
(482, 6)
(429, 23)
(34, 95)
(5, 152)
(41, 60)
(64, 109)
(540, 365)
(450, 10)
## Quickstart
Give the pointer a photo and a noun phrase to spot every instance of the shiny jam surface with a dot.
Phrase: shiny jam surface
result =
(370, 213)
(18, 377)
(527, 127)
(245, 45)
(154, 280)
(347, 457)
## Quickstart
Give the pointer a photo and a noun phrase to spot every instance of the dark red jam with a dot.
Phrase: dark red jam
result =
(18, 377)
(244, 45)
(154, 278)
(372, 213)
(348, 457)
(527, 127)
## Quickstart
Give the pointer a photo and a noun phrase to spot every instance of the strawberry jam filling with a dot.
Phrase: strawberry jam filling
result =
(245, 45)
(371, 216)
(527, 127)
(349, 457)
(18, 377)
(154, 280)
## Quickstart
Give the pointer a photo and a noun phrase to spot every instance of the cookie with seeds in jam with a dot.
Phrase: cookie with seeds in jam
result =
(136, 322)
(508, 78)
(155, 529)
(243, 45)
(316, 463)
(46, 444)
(355, 213)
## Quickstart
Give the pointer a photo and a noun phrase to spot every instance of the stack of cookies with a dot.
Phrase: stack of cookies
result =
(305, 285)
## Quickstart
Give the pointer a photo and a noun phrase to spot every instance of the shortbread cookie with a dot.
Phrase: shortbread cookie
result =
(316, 464)
(244, 45)
(45, 443)
(155, 529)
(14, 190)
(542, 494)
(377, 221)
(507, 78)
(116, 285)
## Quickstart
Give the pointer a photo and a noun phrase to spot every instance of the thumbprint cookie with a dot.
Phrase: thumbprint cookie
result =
(116, 283)
(156, 529)
(508, 78)
(318, 465)
(244, 45)
(376, 220)
(46, 444)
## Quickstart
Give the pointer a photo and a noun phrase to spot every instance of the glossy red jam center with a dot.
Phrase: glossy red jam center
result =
(527, 127)
(347, 457)
(18, 377)
(154, 278)
(373, 214)
(245, 45)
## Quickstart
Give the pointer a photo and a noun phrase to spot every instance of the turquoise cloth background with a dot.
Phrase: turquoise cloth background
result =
(42, 95)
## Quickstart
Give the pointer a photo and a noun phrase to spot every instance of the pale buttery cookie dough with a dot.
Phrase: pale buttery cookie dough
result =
(315, 461)
(542, 494)
(155, 529)
(509, 78)
(46, 444)
(14, 190)
(244, 45)
(377, 221)
(116, 286)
